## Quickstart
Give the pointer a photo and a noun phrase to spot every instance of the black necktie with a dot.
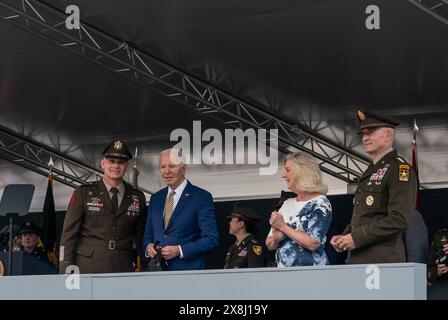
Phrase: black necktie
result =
(114, 199)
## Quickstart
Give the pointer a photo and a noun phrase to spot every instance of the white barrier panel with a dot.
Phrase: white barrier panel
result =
(382, 281)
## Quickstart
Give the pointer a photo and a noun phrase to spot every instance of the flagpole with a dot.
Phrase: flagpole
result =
(48, 239)
(135, 170)
(138, 262)
(50, 174)
(414, 132)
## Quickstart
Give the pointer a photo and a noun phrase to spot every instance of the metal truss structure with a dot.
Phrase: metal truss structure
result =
(203, 98)
(42, 159)
(436, 8)
(36, 157)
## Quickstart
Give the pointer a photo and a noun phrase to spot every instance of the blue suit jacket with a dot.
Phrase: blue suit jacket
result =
(192, 226)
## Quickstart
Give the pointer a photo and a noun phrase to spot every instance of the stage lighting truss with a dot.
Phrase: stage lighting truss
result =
(436, 8)
(123, 59)
(35, 156)
(39, 158)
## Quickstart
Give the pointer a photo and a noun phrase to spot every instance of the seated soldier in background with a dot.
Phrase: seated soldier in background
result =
(438, 261)
(246, 252)
(30, 236)
(438, 267)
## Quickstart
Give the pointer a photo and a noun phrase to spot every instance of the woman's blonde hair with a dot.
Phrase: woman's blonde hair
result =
(307, 174)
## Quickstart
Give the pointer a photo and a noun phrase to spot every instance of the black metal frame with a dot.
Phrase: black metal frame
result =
(35, 156)
(203, 98)
(436, 8)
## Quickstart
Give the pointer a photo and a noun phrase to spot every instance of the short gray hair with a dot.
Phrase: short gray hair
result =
(176, 155)
(307, 174)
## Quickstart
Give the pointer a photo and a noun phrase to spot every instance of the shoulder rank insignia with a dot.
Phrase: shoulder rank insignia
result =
(403, 173)
(257, 250)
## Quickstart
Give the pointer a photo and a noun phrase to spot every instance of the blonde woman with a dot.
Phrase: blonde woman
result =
(299, 228)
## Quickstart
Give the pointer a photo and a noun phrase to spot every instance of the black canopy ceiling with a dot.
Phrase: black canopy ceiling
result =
(311, 59)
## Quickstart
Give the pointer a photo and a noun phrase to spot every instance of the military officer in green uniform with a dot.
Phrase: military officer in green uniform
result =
(105, 220)
(438, 261)
(29, 238)
(384, 201)
(246, 252)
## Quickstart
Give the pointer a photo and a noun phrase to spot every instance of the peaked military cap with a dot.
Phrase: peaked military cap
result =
(370, 120)
(117, 149)
(244, 213)
(29, 227)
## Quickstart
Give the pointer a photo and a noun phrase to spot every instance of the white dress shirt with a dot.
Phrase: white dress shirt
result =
(180, 188)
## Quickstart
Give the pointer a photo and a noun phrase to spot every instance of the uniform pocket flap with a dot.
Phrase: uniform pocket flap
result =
(375, 188)
(85, 251)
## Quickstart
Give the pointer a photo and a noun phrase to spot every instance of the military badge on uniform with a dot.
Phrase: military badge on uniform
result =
(370, 200)
(403, 174)
(118, 145)
(257, 250)
(242, 253)
(377, 176)
(95, 204)
(134, 207)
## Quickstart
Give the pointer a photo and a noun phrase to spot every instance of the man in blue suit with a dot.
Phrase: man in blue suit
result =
(181, 218)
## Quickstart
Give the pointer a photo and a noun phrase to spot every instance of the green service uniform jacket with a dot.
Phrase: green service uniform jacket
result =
(95, 238)
(382, 209)
(248, 254)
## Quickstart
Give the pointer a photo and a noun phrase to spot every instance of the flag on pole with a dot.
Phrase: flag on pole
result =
(49, 225)
(135, 170)
(137, 258)
(135, 176)
(415, 160)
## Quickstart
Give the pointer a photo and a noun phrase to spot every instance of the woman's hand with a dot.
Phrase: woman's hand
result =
(277, 234)
(276, 221)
